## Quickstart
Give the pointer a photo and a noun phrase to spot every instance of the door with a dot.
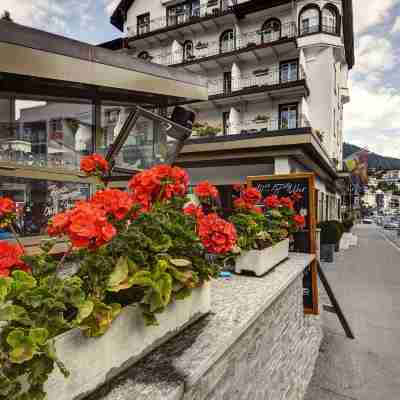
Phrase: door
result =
(289, 71)
(288, 116)
(225, 122)
(227, 82)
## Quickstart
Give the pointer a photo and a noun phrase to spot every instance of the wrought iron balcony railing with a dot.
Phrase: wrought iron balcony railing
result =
(213, 8)
(271, 76)
(203, 50)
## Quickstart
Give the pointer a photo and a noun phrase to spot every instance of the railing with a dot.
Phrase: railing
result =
(274, 76)
(203, 50)
(254, 126)
(214, 8)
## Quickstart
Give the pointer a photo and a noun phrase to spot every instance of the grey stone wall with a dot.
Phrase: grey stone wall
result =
(273, 360)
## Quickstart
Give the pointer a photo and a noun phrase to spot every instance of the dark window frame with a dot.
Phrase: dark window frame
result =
(146, 23)
(221, 39)
(269, 20)
(185, 52)
(225, 122)
(304, 9)
(331, 7)
(281, 63)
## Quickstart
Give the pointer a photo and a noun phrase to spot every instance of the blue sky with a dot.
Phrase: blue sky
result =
(372, 118)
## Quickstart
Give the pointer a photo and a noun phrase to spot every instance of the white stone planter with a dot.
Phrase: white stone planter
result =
(344, 243)
(262, 261)
(93, 361)
(353, 239)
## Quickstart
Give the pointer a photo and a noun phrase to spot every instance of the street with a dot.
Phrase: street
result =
(366, 281)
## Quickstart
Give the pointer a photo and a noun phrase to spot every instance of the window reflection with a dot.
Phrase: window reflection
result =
(38, 201)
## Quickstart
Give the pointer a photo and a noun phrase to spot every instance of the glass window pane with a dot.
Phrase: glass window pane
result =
(38, 201)
(47, 134)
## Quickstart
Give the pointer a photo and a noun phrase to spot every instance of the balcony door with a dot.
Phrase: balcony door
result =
(227, 82)
(225, 122)
(289, 71)
(288, 116)
(227, 41)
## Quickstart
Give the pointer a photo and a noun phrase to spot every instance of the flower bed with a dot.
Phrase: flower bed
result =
(141, 260)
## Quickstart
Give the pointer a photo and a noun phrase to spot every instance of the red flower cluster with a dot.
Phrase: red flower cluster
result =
(113, 202)
(286, 202)
(299, 220)
(94, 164)
(217, 235)
(10, 258)
(272, 201)
(194, 211)
(7, 211)
(204, 190)
(161, 182)
(248, 199)
(86, 226)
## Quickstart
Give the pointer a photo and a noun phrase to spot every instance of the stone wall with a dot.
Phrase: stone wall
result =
(273, 360)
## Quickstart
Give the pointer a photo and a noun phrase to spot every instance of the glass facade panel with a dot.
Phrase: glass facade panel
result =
(45, 134)
(39, 200)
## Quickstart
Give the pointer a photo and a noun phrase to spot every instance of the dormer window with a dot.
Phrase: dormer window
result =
(143, 24)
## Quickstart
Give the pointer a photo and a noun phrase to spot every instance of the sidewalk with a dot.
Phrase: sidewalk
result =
(366, 281)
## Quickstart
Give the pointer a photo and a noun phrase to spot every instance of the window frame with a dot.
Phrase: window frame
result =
(287, 105)
(221, 40)
(146, 23)
(263, 29)
(292, 61)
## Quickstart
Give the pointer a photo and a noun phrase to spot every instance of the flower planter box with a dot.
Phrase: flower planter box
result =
(262, 261)
(94, 361)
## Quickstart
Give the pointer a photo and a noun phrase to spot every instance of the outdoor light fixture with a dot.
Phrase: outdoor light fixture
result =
(146, 139)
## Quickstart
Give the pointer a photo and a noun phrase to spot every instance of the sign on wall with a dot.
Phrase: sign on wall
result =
(287, 185)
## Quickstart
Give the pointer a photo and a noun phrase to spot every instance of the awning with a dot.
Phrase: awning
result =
(27, 52)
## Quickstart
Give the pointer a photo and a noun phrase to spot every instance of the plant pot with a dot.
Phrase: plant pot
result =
(262, 261)
(327, 252)
(93, 361)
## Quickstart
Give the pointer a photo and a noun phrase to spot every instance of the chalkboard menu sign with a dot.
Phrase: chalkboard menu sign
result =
(287, 185)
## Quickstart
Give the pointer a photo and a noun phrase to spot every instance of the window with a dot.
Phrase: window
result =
(309, 20)
(289, 71)
(178, 14)
(227, 41)
(188, 51)
(228, 82)
(271, 30)
(225, 122)
(288, 116)
(143, 24)
(330, 19)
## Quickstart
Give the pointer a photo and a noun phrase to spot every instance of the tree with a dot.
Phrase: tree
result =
(6, 16)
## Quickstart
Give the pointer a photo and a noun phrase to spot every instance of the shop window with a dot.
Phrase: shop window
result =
(271, 30)
(143, 24)
(38, 201)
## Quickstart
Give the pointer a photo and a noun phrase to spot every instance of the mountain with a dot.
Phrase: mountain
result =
(375, 161)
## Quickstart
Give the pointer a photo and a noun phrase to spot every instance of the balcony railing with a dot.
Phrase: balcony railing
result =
(274, 76)
(214, 8)
(202, 50)
(255, 127)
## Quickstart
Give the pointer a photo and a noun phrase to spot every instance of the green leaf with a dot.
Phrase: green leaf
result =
(11, 312)
(39, 335)
(84, 310)
(183, 294)
(23, 347)
(162, 245)
(180, 262)
(23, 281)
(16, 337)
(5, 287)
(120, 272)
(142, 278)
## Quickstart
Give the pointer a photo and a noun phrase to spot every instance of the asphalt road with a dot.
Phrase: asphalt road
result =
(366, 280)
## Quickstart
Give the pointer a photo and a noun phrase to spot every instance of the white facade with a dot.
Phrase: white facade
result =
(316, 57)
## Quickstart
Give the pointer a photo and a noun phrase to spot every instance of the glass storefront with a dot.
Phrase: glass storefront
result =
(45, 133)
(38, 201)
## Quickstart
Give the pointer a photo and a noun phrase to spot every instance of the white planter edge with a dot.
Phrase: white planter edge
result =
(94, 361)
(262, 261)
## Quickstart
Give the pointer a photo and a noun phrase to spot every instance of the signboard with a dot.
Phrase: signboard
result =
(287, 185)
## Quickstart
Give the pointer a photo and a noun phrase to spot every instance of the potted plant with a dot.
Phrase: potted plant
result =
(329, 237)
(206, 130)
(263, 235)
(135, 274)
(261, 118)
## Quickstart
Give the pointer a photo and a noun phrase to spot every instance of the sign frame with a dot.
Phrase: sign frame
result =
(312, 224)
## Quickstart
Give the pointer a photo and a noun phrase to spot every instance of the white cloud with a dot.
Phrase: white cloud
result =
(368, 13)
(111, 5)
(396, 26)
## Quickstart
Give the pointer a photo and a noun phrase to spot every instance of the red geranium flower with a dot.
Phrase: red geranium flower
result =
(94, 164)
(299, 220)
(206, 190)
(58, 224)
(287, 202)
(10, 258)
(297, 196)
(251, 195)
(114, 202)
(272, 201)
(194, 211)
(217, 235)
(237, 187)
(7, 206)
